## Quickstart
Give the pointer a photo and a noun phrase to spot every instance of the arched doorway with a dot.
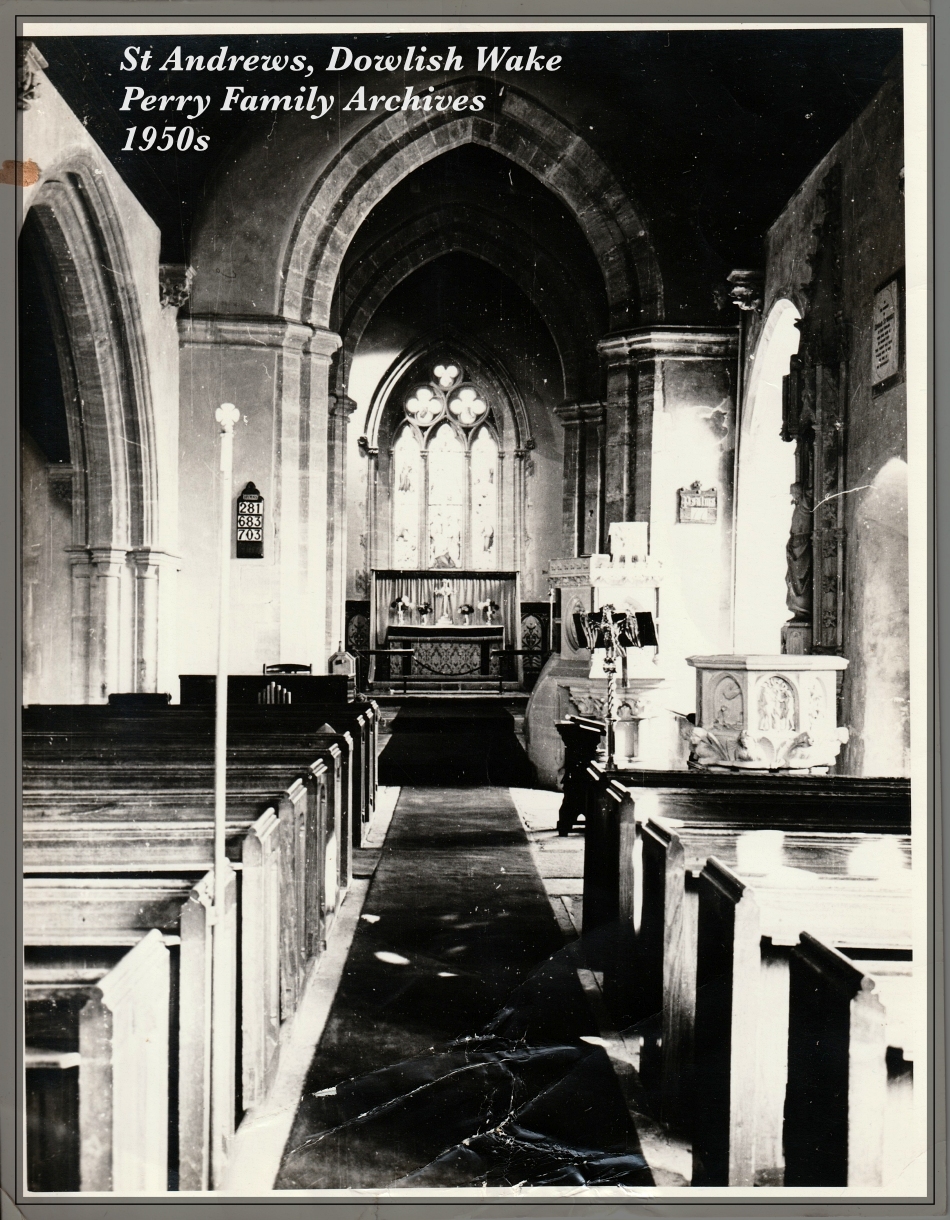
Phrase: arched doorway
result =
(766, 470)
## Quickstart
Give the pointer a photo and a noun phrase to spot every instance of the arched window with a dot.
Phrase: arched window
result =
(445, 476)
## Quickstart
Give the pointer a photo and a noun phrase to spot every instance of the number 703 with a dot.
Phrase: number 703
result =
(183, 141)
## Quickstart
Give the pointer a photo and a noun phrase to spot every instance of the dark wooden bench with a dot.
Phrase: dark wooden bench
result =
(97, 1068)
(96, 731)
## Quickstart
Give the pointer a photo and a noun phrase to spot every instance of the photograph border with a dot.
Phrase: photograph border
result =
(923, 554)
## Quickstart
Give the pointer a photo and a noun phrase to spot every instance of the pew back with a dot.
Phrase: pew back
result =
(740, 1067)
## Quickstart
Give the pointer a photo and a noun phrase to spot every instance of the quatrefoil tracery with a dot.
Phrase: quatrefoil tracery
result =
(468, 406)
(427, 403)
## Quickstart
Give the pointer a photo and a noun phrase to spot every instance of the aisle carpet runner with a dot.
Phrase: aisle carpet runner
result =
(452, 1056)
(450, 742)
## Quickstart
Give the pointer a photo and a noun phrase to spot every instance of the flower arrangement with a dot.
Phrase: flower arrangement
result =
(425, 609)
(401, 606)
(466, 612)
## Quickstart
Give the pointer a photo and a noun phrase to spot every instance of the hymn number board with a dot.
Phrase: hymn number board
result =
(250, 524)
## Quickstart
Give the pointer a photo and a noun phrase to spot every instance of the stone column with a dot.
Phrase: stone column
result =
(339, 412)
(155, 573)
(276, 372)
(584, 469)
(107, 672)
(516, 556)
(633, 370)
(81, 572)
(321, 588)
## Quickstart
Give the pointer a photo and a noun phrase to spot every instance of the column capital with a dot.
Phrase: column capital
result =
(100, 555)
(79, 557)
(580, 412)
(146, 557)
(670, 342)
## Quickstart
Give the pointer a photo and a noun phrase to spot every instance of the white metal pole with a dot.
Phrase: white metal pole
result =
(227, 416)
(222, 980)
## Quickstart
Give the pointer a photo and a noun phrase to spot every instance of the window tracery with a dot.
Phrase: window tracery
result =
(445, 473)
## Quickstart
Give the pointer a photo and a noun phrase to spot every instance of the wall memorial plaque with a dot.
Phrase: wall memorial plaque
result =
(885, 333)
(250, 524)
(697, 505)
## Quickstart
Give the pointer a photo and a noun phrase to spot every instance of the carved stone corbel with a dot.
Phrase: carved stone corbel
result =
(30, 63)
(174, 284)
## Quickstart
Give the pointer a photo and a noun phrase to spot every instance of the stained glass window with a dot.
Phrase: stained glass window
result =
(446, 497)
(407, 496)
(484, 499)
(445, 473)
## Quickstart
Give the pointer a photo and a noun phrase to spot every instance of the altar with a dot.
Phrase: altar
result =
(452, 620)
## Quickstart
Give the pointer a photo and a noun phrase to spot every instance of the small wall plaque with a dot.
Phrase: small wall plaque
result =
(697, 505)
(885, 333)
(250, 524)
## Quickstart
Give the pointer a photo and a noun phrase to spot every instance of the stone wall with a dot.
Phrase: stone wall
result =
(839, 240)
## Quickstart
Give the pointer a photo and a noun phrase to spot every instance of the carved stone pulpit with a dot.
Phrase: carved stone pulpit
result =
(766, 713)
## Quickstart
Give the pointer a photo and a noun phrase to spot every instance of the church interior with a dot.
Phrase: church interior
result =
(567, 632)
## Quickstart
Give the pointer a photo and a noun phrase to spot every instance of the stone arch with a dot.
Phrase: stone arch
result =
(572, 329)
(518, 127)
(75, 234)
(103, 355)
(765, 471)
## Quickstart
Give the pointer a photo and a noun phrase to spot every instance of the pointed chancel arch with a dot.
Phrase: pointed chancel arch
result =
(516, 126)
(566, 313)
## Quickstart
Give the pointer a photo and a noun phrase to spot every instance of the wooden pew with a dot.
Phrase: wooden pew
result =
(325, 696)
(849, 1096)
(94, 728)
(109, 1089)
(138, 831)
(744, 936)
(881, 805)
(818, 804)
(255, 773)
(132, 793)
(62, 758)
(582, 738)
(112, 911)
(660, 976)
(609, 846)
